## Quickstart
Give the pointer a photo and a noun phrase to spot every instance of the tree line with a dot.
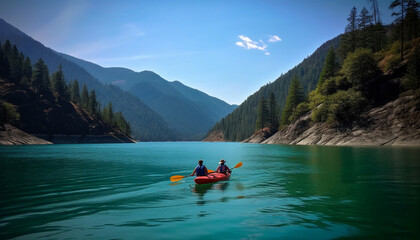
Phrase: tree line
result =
(18, 69)
(350, 74)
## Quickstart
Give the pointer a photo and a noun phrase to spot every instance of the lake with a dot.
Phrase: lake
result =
(122, 191)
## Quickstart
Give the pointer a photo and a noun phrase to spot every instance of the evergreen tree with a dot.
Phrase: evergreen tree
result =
(263, 115)
(108, 114)
(274, 112)
(59, 86)
(84, 97)
(376, 14)
(412, 20)
(93, 104)
(330, 67)
(15, 71)
(4, 63)
(364, 21)
(405, 7)
(40, 77)
(26, 71)
(349, 40)
(294, 97)
(74, 91)
(122, 124)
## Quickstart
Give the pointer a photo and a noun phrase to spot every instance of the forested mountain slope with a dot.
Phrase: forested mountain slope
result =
(240, 124)
(145, 123)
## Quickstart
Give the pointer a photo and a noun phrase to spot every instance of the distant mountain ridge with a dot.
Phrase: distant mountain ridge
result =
(146, 124)
(189, 111)
(157, 110)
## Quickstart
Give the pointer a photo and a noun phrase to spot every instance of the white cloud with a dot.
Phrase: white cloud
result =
(274, 38)
(247, 43)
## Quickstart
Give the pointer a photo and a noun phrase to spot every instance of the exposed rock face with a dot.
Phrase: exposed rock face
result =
(10, 135)
(215, 136)
(396, 123)
(259, 136)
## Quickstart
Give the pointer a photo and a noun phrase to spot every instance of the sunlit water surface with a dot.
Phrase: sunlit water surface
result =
(122, 191)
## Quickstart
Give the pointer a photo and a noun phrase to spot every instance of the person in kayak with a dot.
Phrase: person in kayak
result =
(222, 168)
(200, 170)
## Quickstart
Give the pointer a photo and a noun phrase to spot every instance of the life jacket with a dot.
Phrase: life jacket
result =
(222, 168)
(199, 170)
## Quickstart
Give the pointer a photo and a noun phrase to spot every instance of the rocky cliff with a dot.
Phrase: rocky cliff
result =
(10, 135)
(55, 119)
(396, 123)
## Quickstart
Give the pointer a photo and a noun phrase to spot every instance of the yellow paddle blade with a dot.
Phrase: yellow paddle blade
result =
(238, 165)
(210, 171)
(177, 178)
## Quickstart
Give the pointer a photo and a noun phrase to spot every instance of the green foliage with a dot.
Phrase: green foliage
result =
(274, 112)
(359, 67)
(74, 91)
(240, 124)
(299, 111)
(122, 124)
(84, 97)
(40, 77)
(8, 113)
(58, 83)
(26, 71)
(349, 40)
(263, 115)
(294, 97)
(93, 105)
(330, 67)
(412, 78)
(341, 108)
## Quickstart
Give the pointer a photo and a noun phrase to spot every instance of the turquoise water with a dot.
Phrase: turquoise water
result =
(122, 191)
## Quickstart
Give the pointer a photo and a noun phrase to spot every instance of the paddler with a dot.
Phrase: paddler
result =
(222, 168)
(200, 170)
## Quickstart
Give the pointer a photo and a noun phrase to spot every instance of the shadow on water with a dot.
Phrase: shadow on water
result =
(202, 189)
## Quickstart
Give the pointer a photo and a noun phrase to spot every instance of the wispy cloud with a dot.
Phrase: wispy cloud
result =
(248, 43)
(274, 38)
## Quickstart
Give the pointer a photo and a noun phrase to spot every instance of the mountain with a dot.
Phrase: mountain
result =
(56, 120)
(189, 111)
(145, 123)
(240, 124)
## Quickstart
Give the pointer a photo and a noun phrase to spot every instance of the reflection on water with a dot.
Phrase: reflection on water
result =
(122, 191)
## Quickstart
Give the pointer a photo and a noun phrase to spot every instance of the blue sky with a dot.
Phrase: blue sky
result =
(228, 49)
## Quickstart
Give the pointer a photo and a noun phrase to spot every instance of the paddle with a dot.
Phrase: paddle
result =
(177, 178)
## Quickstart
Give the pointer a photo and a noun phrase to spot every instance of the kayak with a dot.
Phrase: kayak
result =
(212, 178)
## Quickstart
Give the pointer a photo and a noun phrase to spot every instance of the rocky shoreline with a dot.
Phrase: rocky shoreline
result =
(10, 135)
(396, 123)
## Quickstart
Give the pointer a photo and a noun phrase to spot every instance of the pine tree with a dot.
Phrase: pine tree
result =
(108, 114)
(59, 86)
(412, 20)
(405, 7)
(93, 104)
(274, 112)
(4, 63)
(376, 14)
(26, 71)
(294, 97)
(15, 72)
(263, 115)
(84, 97)
(363, 22)
(74, 91)
(348, 41)
(40, 77)
(330, 67)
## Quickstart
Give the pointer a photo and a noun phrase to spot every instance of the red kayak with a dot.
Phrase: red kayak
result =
(212, 178)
